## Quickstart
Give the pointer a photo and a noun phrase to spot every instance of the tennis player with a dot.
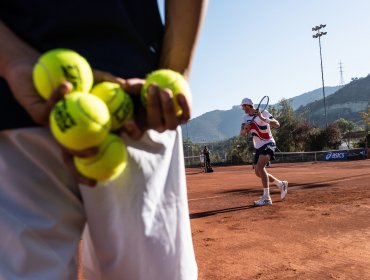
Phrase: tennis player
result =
(259, 124)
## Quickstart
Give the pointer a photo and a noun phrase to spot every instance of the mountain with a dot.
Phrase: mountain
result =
(346, 103)
(311, 96)
(341, 102)
(213, 126)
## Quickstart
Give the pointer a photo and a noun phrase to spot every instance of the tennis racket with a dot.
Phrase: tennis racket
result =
(263, 104)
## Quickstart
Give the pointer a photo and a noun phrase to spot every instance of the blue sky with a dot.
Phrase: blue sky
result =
(252, 48)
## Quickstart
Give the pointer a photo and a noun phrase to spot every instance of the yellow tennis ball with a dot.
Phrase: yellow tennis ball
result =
(119, 103)
(110, 161)
(80, 121)
(166, 78)
(60, 65)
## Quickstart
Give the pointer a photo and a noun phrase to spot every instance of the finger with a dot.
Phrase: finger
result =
(120, 81)
(168, 109)
(84, 180)
(133, 130)
(83, 153)
(68, 161)
(63, 89)
(185, 106)
(154, 109)
(103, 76)
(133, 86)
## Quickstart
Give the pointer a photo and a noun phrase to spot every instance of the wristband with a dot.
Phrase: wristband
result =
(267, 121)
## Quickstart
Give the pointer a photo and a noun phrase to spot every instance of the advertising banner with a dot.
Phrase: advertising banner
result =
(336, 155)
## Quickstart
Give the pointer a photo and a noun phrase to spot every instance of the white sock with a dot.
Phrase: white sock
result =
(278, 183)
(266, 192)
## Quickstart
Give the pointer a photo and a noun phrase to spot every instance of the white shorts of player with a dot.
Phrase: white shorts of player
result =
(138, 225)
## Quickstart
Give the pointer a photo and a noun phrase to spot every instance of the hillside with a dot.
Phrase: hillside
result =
(342, 102)
(311, 96)
(346, 103)
(213, 126)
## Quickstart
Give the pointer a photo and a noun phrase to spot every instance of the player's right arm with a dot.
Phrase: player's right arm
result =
(268, 118)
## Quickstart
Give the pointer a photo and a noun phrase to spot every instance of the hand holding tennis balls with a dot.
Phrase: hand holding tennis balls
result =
(166, 78)
(109, 163)
(80, 121)
(119, 103)
(60, 65)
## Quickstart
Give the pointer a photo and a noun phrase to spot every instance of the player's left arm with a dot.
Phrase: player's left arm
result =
(274, 123)
(268, 118)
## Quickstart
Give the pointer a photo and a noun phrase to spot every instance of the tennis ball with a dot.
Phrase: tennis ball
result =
(60, 65)
(80, 121)
(110, 161)
(166, 78)
(119, 103)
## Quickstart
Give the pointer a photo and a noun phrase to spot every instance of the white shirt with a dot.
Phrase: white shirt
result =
(260, 130)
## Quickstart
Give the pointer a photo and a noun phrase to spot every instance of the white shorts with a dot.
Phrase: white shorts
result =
(138, 225)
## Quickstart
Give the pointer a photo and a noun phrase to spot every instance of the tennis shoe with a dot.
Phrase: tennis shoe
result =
(264, 200)
(284, 190)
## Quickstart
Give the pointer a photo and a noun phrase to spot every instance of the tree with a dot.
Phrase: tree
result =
(240, 151)
(284, 136)
(366, 117)
(215, 157)
(191, 152)
(302, 135)
(345, 126)
(326, 139)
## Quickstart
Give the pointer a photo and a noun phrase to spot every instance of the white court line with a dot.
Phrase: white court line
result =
(194, 199)
(293, 187)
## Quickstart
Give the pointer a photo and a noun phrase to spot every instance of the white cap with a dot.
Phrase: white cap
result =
(247, 101)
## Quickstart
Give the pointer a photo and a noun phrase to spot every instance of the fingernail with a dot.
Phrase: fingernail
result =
(152, 88)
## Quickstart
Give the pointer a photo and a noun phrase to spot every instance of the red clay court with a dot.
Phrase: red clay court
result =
(320, 231)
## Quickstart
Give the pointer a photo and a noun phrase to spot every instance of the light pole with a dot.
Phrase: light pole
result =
(318, 35)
